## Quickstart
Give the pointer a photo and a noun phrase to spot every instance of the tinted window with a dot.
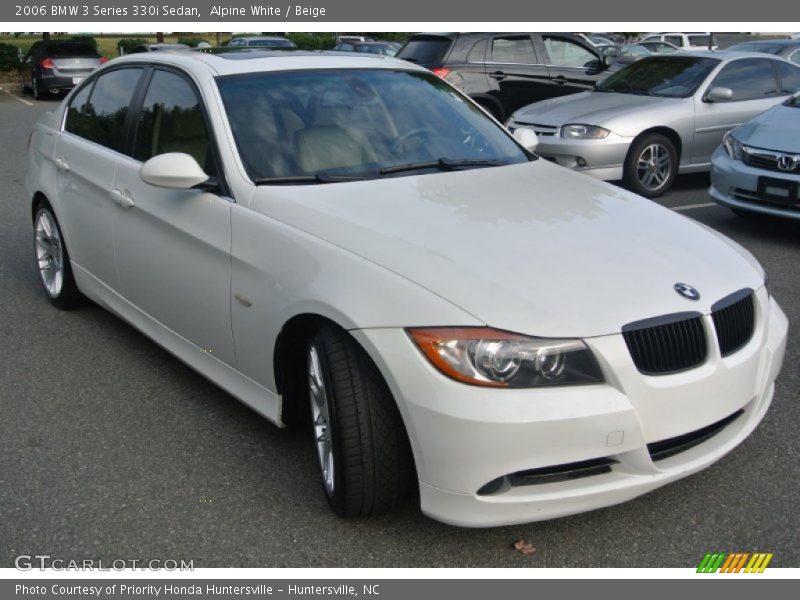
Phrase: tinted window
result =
(749, 78)
(425, 51)
(675, 40)
(77, 119)
(102, 118)
(513, 50)
(73, 49)
(673, 76)
(354, 123)
(790, 78)
(564, 53)
(172, 121)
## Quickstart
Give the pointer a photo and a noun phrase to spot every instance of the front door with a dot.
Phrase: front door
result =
(173, 246)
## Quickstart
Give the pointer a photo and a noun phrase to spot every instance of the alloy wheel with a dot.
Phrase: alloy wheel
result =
(654, 166)
(49, 253)
(320, 414)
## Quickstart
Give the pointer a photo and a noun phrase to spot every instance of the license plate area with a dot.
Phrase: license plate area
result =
(778, 190)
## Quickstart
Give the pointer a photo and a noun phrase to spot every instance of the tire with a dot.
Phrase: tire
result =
(37, 94)
(52, 260)
(362, 449)
(651, 165)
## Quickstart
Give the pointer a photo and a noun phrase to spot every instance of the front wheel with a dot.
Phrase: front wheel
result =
(361, 445)
(52, 260)
(651, 165)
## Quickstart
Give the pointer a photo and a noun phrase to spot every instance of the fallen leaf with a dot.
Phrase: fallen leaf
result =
(524, 547)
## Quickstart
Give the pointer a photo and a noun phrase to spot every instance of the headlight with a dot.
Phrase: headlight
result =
(732, 147)
(584, 132)
(493, 358)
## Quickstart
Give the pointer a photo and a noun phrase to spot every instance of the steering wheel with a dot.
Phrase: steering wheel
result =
(424, 133)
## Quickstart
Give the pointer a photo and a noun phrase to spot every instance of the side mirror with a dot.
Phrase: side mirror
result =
(174, 170)
(527, 138)
(719, 94)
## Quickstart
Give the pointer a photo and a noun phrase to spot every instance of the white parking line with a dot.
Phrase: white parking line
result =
(17, 97)
(691, 206)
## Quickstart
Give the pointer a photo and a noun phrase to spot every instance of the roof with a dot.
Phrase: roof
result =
(255, 60)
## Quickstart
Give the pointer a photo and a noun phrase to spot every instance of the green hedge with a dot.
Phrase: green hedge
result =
(125, 45)
(191, 41)
(8, 57)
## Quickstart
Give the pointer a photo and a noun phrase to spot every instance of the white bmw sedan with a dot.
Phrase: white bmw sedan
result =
(350, 243)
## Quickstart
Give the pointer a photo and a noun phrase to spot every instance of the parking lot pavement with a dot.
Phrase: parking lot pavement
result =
(110, 448)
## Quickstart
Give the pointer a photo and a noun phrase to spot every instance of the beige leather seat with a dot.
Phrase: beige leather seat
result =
(329, 147)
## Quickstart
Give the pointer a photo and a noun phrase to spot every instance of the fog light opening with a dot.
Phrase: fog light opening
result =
(581, 161)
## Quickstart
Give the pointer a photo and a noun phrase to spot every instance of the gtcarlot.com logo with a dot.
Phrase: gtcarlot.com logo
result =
(28, 562)
(736, 562)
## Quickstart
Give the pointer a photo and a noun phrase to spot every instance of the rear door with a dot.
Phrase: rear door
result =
(755, 88)
(87, 153)
(517, 75)
(573, 67)
(173, 246)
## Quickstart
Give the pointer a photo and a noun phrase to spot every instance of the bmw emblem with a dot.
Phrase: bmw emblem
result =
(687, 291)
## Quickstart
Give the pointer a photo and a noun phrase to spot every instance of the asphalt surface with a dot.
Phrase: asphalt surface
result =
(111, 448)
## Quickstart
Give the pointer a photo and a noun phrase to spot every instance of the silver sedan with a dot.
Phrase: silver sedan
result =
(757, 168)
(658, 117)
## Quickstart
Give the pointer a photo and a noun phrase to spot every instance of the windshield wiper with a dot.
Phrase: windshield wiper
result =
(316, 178)
(442, 164)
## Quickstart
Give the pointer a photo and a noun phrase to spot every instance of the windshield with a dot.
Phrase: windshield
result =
(357, 123)
(667, 76)
(272, 43)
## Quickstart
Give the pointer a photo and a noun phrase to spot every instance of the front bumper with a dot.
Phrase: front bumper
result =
(464, 437)
(603, 159)
(735, 184)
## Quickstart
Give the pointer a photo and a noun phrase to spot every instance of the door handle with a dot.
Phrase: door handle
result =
(124, 199)
(499, 75)
(560, 80)
(61, 163)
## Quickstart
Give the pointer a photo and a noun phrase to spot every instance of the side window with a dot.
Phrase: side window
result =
(77, 121)
(517, 50)
(564, 53)
(101, 119)
(699, 40)
(676, 40)
(790, 77)
(749, 78)
(477, 53)
(172, 121)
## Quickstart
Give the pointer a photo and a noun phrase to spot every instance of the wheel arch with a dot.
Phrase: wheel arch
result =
(669, 133)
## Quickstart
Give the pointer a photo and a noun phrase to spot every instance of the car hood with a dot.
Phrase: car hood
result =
(592, 108)
(776, 129)
(532, 248)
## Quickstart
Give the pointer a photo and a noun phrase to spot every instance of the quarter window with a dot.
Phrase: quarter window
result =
(517, 50)
(101, 118)
(790, 77)
(564, 53)
(172, 120)
(749, 78)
